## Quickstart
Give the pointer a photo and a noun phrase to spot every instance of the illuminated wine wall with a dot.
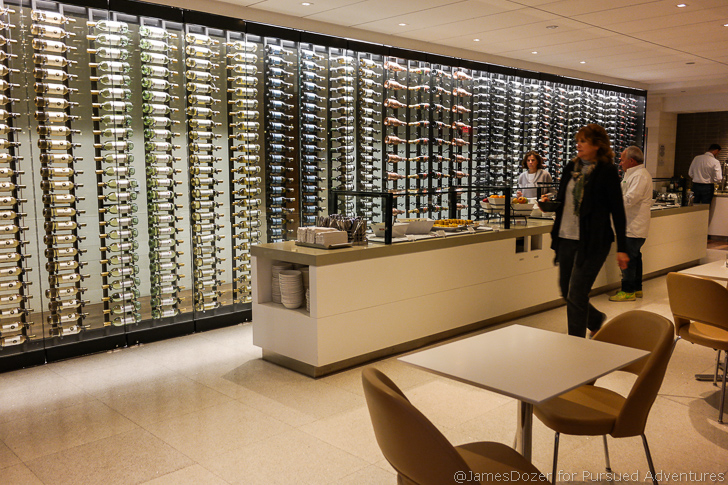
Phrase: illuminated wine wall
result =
(142, 154)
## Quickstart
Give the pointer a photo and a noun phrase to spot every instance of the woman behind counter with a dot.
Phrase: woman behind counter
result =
(590, 193)
(533, 175)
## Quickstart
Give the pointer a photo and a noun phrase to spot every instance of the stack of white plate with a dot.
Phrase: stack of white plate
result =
(291, 288)
(308, 300)
(275, 285)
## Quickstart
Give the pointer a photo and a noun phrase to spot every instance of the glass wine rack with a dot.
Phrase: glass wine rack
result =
(144, 149)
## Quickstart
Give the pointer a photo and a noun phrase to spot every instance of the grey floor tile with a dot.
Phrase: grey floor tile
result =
(30, 436)
(128, 458)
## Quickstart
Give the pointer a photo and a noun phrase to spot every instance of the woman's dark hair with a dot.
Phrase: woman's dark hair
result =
(539, 159)
(597, 136)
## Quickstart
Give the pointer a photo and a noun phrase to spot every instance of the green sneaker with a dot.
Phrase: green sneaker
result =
(622, 296)
(638, 294)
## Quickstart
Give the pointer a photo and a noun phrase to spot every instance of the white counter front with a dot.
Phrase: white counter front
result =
(719, 216)
(373, 301)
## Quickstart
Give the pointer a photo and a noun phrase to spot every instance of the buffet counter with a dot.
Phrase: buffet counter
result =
(719, 215)
(367, 302)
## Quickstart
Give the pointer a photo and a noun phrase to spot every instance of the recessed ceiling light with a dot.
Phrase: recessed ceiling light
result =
(681, 5)
(306, 4)
(689, 63)
(402, 24)
(582, 62)
(725, 25)
(476, 40)
(552, 27)
(534, 52)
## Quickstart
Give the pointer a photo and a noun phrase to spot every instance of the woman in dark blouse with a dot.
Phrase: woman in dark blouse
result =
(590, 195)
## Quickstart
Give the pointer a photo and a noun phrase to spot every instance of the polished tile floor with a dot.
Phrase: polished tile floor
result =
(205, 409)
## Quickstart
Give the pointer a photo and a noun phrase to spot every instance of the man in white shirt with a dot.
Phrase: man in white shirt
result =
(637, 196)
(705, 172)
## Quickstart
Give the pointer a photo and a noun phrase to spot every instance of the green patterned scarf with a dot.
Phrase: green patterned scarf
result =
(581, 177)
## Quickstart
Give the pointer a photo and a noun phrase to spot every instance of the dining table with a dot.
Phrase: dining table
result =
(715, 270)
(528, 364)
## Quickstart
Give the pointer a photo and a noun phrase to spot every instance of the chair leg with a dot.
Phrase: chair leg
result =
(722, 394)
(556, 457)
(649, 460)
(606, 455)
(717, 366)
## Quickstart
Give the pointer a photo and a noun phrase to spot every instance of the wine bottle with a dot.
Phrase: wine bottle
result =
(52, 89)
(62, 225)
(122, 259)
(110, 26)
(164, 267)
(163, 243)
(162, 290)
(165, 313)
(45, 130)
(50, 17)
(155, 32)
(152, 83)
(201, 99)
(49, 45)
(155, 71)
(46, 144)
(124, 283)
(156, 58)
(119, 197)
(118, 272)
(120, 222)
(61, 252)
(126, 320)
(157, 97)
(198, 51)
(122, 308)
(54, 103)
(66, 278)
(49, 31)
(62, 291)
(243, 45)
(155, 45)
(203, 76)
(114, 53)
(112, 40)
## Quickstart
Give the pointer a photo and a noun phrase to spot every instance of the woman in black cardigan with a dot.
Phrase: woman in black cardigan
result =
(589, 192)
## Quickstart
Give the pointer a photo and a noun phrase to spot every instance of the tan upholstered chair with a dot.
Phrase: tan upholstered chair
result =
(591, 410)
(421, 454)
(700, 309)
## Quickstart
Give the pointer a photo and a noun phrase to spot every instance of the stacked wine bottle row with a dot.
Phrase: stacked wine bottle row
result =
(60, 200)
(15, 324)
(342, 142)
(313, 106)
(158, 70)
(244, 126)
(202, 50)
(117, 186)
(485, 171)
(369, 107)
(281, 141)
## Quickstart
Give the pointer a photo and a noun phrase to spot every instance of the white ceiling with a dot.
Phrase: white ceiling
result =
(650, 42)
